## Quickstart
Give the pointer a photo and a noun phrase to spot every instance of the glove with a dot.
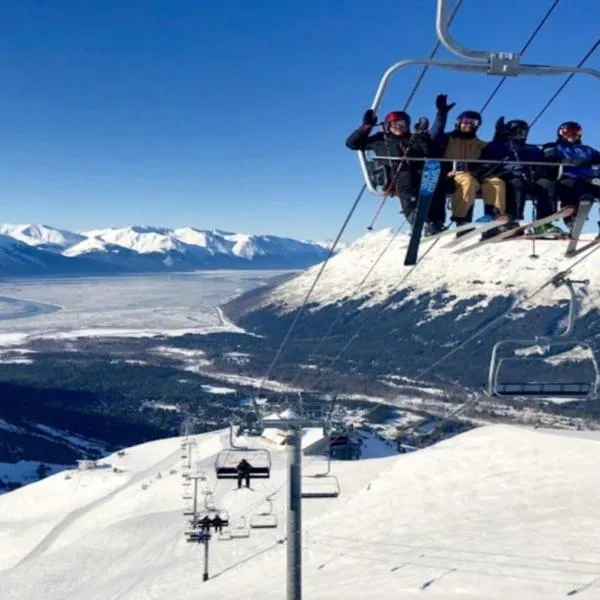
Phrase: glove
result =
(422, 125)
(369, 118)
(441, 103)
(500, 125)
(532, 174)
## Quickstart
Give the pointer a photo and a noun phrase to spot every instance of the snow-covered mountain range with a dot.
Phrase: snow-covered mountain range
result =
(44, 250)
(403, 320)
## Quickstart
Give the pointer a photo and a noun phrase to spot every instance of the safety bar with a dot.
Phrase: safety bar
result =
(472, 160)
(365, 170)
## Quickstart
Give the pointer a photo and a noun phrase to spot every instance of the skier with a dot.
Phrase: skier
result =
(461, 144)
(578, 160)
(218, 523)
(510, 142)
(395, 140)
(205, 523)
(244, 468)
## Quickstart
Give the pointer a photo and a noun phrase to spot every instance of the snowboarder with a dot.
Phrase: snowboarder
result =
(467, 179)
(403, 177)
(244, 468)
(578, 160)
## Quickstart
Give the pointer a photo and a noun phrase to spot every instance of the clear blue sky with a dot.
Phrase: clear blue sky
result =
(233, 114)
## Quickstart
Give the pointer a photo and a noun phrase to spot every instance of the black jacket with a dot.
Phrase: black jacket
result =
(410, 145)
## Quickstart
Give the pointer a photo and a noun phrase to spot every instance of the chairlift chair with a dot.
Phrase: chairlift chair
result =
(239, 528)
(266, 519)
(501, 64)
(541, 389)
(263, 521)
(227, 461)
(328, 486)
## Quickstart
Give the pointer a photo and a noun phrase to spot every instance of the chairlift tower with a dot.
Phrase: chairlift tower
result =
(294, 422)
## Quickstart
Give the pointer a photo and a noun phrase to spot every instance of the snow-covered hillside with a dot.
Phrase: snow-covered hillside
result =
(407, 318)
(143, 248)
(493, 270)
(499, 512)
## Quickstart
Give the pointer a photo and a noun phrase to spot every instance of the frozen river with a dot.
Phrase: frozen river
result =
(136, 306)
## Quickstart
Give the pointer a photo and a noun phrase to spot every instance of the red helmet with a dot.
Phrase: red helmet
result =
(396, 122)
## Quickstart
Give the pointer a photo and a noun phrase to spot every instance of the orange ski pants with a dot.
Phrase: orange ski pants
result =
(493, 192)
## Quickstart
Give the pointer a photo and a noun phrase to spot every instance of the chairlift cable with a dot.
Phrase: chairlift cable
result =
(583, 60)
(565, 82)
(538, 28)
(342, 310)
(310, 291)
(359, 330)
(475, 398)
(414, 90)
(504, 314)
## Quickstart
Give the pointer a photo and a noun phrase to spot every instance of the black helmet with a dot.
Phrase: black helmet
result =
(517, 129)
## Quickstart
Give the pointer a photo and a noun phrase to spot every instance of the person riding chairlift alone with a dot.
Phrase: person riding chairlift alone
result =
(244, 468)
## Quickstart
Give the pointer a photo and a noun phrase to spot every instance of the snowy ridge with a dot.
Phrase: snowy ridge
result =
(499, 512)
(147, 248)
(503, 269)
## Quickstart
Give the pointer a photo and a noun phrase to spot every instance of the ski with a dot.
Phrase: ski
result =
(448, 231)
(429, 181)
(561, 214)
(477, 229)
(580, 218)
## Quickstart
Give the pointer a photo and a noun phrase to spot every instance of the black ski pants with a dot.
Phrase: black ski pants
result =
(541, 191)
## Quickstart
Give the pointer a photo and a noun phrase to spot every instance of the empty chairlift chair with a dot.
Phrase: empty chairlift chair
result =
(555, 369)
(321, 485)
(266, 519)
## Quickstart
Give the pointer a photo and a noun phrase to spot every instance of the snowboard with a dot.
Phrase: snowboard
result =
(429, 181)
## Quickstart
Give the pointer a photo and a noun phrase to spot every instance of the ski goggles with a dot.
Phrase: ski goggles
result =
(469, 121)
(570, 132)
(398, 126)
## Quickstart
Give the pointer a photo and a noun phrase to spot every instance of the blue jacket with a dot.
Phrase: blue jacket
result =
(583, 157)
(513, 151)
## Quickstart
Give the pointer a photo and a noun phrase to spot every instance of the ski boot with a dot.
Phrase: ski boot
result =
(550, 232)
(433, 228)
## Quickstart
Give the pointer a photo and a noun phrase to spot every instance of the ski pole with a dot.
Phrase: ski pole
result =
(379, 209)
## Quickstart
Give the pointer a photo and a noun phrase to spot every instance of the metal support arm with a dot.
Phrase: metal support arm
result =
(491, 63)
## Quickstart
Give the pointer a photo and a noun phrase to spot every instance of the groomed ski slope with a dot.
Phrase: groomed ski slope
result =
(499, 512)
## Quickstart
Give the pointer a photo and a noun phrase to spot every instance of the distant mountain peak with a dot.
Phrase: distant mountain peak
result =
(147, 248)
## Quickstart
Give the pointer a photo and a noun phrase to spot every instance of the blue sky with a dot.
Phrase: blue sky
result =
(233, 114)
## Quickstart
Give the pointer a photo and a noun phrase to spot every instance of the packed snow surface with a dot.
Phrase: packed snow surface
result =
(498, 512)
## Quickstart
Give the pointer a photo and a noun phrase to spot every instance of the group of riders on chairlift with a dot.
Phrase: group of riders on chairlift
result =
(504, 187)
